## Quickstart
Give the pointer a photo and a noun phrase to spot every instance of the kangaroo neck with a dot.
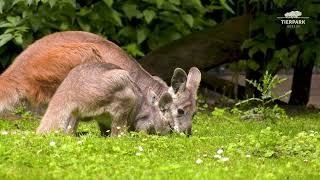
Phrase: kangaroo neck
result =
(147, 82)
(114, 54)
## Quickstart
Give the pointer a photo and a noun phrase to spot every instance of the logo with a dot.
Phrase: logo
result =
(293, 19)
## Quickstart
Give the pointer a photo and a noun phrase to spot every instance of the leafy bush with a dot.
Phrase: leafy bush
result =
(280, 46)
(137, 26)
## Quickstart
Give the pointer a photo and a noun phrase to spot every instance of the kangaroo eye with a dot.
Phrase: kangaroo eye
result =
(180, 112)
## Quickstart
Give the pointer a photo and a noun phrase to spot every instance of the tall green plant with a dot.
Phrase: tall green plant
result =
(261, 105)
(265, 87)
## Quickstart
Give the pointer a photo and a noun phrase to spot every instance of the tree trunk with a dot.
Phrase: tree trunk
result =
(301, 83)
(222, 86)
(205, 50)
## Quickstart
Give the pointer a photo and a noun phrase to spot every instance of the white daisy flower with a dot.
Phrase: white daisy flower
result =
(4, 133)
(52, 143)
(199, 161)
(224, 159)
(220, 151)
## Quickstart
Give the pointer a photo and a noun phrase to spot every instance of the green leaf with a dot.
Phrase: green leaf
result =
(159, 3)
(196, 4)
(131, 10)
(6, 24)
(27, 40)
(149, 15)
(171, 7)
(35, 23)
(108, 2)
(247, 44)
(142, 35)
(171, 17)
(271, 30)
(269, 153)
(117, 17)
(4, 38)
(14, 20)
(252, 65)
(73, 3)
(52, 2)
(176, 2)
(84, 11)
(18, 39)
(280, 3)
(16, 2)
(253, 50)
(188, 19)
(133, 49)
(270, 44)
(64, 26)
(263, 48)
(128, 32)
(2, 3)
(84, 26)
(226, 6)
(29, 2)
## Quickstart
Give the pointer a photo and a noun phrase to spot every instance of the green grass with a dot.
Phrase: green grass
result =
(24, 155)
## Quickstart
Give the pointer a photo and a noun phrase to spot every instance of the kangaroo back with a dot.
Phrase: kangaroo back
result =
(42, 45)
(40, 77)
(44, 64)
(91, 90)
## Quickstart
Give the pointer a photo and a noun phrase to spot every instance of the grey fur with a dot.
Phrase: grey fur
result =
(100, 90)
(184, 91)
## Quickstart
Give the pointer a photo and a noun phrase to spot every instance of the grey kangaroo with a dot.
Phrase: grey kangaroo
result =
(100, 90)
(39, 70)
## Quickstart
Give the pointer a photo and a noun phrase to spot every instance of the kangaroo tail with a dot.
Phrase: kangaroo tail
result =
(9, 94)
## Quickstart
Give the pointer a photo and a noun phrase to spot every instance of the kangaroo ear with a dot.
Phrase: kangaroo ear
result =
(152, 97)
(194, 78)
(165, 101)
(179, 80)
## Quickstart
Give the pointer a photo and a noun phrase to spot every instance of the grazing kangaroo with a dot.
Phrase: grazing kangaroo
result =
(38, 71)
(99, 90)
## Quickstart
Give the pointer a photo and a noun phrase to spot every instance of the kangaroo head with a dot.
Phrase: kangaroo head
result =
(184, 91)
(155, 116)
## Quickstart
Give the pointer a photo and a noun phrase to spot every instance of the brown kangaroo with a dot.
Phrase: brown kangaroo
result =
(38, 71)
(100, 90)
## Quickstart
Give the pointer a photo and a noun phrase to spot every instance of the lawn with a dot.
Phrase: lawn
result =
(221, 147)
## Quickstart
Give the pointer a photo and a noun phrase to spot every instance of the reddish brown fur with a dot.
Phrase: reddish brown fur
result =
(8, 93)
(44, 64)
(41, 76)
